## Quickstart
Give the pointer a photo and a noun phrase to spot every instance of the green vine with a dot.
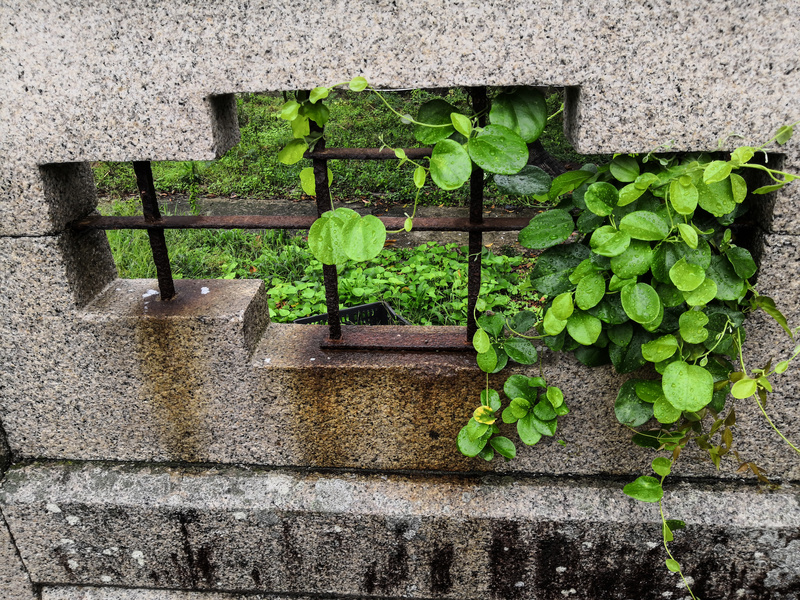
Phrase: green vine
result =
(654, 278)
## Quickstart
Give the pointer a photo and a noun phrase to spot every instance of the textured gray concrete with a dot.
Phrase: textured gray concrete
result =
(378, 536)
(14, 581)
(105, 593)
(153, 81)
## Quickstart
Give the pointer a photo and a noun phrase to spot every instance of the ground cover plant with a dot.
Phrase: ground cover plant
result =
(654, 278)
(426, 285)
(252, 168)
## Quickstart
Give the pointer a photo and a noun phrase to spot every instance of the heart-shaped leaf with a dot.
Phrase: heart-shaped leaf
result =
(547, 229)
(687, 387)
(434, 112)
(363, 238)
(645, 488)
(523, 111)
(640, 302)
(497, 149)
(450, 165)
(601, 198)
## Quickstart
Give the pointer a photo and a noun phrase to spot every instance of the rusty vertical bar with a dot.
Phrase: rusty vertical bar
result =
(329, 274)
(479, 105)
(158, 243)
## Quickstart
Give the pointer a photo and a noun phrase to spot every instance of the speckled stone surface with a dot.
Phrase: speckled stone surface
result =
(153, 80)
(14, 581)
(106, 593)
(389, 536)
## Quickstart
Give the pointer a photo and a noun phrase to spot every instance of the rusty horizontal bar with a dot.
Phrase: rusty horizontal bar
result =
(367, 153)
(292, 222)
(376, 339)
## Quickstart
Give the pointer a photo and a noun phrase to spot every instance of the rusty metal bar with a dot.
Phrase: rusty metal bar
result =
(292, 222)
(479, 105)
(158, 244)
(329, 274)
(366, 153)
(377, 338)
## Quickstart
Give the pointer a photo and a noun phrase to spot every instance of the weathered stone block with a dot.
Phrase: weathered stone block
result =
(14, 581)
(244, 530)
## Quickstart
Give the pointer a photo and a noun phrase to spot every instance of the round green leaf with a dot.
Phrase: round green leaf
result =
(625, 168)
(716, 198)
(420, 175)
(692, 326)
(289, 110)
(640, 302)
(547, 229)
(601, 198)
(293, 152)
(555, 396)
(664, 412)
(308, 183)
(634, 261)
(325, 238)
(660, 349)
(562, 306)
(467, 446)
(590, 290)
(497, 149)
(607, 241)
(527, 431)
(363, 238)
(520, 350)
(744, 388)
(462, 124)
(490, 399)
(621, 335)
(450, 165)
(434, 112)
(519, 386)
(667, 254)
(476, 430)
(523, 111)
(487, 361)
(662, 466)
(683, 197)
(729, 285)
(645, 225)
(630, 193)
(584, 328)
(649, 390)
(318, 93)
(645, 488)
(686, 276)
(742, 262)
(716, 171)
(738, 188)
(687, 387)
(673, 565)
(319, 113)
(702, 294)
(519, 407)
(358, 84)
(504, 446)
(553, 325)
(530, 181)
(481, 342)
(688, 234)
(629, 409)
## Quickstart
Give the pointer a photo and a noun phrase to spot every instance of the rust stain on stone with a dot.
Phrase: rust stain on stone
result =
(173, 369)
(395, 418)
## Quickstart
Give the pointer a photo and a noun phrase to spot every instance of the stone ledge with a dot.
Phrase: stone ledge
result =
(240, 530)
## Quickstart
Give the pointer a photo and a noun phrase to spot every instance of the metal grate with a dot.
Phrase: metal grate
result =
(353, 337)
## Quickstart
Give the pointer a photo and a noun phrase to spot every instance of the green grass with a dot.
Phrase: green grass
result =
(426, 285)
(357, 120)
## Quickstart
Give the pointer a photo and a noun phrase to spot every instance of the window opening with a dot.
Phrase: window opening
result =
(349, 337)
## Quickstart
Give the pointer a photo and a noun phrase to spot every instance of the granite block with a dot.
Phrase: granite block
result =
(52, 275)
(14, 581)
(110, 593)
(146, 379)
(385, 536)
(117, 384)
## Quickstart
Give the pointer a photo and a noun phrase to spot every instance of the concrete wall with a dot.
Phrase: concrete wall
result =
(195, 447)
